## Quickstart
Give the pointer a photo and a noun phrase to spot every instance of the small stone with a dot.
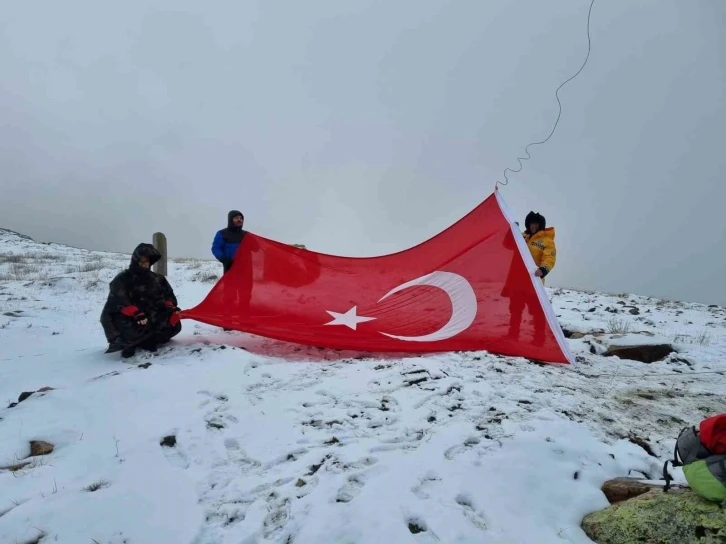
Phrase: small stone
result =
(622, 489)
(168, 441)
(24, 395)
(300, 482)
(39, 447)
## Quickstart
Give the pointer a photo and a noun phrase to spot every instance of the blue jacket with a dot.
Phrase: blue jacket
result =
(225, 244)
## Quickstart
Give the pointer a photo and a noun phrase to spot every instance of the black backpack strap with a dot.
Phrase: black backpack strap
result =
(667, 477)
(675, 462)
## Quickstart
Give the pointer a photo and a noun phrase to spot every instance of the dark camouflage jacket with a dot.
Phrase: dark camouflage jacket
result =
(140, 287)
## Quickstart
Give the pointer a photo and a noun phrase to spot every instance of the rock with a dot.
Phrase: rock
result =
(573, 335)
(622, 489)
(645, 353)
(634, 311)
(677, 517)
(168, 441)
(24, 395)
(300, 482)
(642, 443)
(39, 447)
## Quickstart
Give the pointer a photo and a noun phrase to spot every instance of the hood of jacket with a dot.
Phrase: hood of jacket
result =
(231, 215)
(144, 250)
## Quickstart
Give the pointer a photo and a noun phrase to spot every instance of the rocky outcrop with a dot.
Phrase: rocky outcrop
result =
(643, 513)
(645, 353)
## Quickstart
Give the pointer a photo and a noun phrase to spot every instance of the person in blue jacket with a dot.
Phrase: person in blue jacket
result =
(226, 241)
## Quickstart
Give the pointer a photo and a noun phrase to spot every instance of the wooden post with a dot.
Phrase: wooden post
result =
(159, 242)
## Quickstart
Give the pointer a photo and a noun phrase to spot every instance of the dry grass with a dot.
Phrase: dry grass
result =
(25, 271)
(95, 486)
(618, 326)
(702, 339)
(31, 257)
(86, 267)
(205, 276)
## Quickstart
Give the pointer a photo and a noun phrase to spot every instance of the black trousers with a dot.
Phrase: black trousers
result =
(123, 330)
(516, 309)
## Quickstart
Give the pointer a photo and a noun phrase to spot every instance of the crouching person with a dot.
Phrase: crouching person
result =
(141, 310)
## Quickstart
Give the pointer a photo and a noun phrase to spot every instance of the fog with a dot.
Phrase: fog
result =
(362, 128)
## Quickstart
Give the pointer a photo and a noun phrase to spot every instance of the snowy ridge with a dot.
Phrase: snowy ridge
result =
(274, 442)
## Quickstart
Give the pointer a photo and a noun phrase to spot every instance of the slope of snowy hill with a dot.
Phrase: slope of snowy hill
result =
(223, 437)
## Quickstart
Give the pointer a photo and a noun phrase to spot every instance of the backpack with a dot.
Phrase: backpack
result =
(702, 454)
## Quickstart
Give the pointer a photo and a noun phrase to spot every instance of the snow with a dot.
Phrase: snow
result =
(283, 443)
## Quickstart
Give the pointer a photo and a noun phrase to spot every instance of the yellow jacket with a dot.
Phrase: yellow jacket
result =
(542, 247)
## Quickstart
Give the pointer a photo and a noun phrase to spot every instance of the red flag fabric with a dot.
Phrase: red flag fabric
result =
(471, 287)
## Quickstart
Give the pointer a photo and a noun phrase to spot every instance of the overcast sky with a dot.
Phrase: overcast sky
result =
(362, 128)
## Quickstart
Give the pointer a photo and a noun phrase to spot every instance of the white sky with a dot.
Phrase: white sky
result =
(362, 128)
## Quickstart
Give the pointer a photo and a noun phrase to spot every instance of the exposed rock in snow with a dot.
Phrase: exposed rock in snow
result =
(677, 517)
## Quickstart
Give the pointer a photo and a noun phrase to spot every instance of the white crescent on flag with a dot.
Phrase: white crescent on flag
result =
(463, 302)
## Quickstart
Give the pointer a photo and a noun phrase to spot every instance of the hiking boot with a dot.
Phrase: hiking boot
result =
(113, 347)
(128, 352)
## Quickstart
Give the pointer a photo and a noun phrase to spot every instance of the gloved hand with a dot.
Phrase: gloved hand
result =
(171, 306)
(134, 313)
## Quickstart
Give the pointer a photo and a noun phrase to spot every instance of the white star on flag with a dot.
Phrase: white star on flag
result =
(349, 319)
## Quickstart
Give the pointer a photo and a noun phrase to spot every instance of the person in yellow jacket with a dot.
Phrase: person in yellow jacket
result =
(541, 244)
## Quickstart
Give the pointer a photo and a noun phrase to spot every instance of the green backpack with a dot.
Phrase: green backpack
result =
(702, 454)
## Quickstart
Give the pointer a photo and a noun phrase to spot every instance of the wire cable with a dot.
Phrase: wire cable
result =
(526, 149)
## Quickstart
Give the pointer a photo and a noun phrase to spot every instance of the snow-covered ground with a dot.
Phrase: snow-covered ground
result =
(281, 443)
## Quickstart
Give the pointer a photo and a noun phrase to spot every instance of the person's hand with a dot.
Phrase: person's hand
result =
(171, 306)
(134, 313)
(538, 273)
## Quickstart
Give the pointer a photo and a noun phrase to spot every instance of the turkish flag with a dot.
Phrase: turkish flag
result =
(471, 287)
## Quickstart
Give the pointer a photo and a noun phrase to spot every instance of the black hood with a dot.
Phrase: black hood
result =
(534, 217)
(144, 250)
(232, 214)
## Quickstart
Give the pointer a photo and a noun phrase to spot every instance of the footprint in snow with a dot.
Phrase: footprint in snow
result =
(421, 531)
(350, 489)
(354, 483)
(278, 509)
(174, 452)
(470, 513)
(454, 451)
(425, 484)
(237, 455)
